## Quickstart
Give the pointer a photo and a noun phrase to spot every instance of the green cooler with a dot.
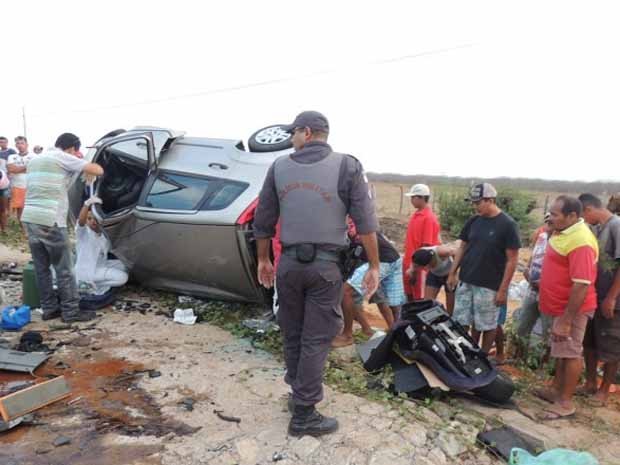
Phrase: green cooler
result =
(30, 290)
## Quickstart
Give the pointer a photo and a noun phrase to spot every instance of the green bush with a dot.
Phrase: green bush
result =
(453, 211)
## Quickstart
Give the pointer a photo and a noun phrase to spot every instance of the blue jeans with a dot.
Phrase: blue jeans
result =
(50, 246)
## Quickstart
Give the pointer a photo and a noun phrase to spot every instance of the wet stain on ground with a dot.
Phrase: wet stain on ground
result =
(106, 400)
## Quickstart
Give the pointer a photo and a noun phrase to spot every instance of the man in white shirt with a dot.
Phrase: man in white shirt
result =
(5, 193)
(95, 274)
(17, 164)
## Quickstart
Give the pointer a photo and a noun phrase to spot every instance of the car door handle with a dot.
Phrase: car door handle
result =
(218, 166)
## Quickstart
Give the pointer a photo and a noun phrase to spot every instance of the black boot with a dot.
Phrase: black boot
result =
(307, 421)
(50, 314)
(290, 403)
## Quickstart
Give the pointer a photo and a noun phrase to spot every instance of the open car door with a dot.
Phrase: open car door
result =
(127, 161)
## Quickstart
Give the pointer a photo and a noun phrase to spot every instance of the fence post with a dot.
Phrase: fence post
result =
(402, 195)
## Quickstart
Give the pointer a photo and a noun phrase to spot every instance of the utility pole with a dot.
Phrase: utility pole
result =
(24, 118)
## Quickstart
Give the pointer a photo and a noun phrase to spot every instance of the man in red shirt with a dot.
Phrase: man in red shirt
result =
(567, 293)
(423, 231)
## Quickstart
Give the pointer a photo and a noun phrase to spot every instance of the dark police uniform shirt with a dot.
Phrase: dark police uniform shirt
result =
(352, 190)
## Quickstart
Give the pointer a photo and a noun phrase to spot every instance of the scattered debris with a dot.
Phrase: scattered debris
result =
(14, 318)
(228, 418)
(260, 326)
(552, 457)
(5, 426)
(33, 398)
(32, 341)
(61, 441)
(188, 403)
(10, 269)
(75, 401)
(25, 362)
(129, 305)
(42, 449)
(59, 326)
(185, 316)
(14, 386)
(154, 374)
(186, 299)
(277, 456)
(500, 441)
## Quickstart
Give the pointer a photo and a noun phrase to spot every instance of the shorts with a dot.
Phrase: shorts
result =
(390, 279)
(603, 337)
(503, 312)
(18, 196)
(436, 282)
(5, 193)
(378, 297)
(476, 305)
(573, 346)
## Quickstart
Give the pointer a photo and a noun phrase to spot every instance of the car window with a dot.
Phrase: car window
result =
(226, 193)
(159, 138)
(133, 148)
(177, 192)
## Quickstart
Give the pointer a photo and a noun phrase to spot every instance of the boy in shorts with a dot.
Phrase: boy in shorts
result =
(437, 260)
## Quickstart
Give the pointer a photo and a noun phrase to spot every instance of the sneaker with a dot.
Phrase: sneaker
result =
(50, 315)
(80, 316)
(307, 421)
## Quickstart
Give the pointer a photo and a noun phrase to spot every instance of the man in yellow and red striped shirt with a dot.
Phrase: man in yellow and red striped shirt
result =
(567, 293)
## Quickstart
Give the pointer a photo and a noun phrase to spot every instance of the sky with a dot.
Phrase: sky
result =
(483, 89)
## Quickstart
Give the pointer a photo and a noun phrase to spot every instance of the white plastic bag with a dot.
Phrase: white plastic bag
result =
(185, 316)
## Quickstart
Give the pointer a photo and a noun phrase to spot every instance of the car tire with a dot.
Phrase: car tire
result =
(270, 139)
(498, 391)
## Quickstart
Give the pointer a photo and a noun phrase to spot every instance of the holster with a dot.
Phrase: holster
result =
(305, 253)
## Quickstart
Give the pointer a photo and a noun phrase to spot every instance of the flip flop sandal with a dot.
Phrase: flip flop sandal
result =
(550, 414)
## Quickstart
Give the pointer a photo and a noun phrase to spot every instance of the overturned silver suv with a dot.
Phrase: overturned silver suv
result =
(179, 210)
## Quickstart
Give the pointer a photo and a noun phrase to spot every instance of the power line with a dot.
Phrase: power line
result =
(224, 90)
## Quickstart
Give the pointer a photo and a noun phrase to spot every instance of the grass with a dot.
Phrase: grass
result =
(14, 237)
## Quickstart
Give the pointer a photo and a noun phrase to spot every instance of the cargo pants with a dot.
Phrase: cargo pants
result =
(310, 316)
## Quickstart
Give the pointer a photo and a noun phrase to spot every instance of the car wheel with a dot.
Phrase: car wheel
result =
(498, 391)
(270, 139)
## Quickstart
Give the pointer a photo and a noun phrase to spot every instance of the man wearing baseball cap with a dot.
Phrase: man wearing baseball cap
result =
(487, 259)
(311, 192)
(422, 231)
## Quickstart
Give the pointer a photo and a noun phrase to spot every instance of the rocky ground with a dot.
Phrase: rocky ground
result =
(146, 390)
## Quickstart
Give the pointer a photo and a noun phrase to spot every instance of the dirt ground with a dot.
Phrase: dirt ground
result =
(214, 399)
(148, 391)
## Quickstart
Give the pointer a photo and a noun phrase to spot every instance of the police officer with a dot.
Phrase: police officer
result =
(311, 192)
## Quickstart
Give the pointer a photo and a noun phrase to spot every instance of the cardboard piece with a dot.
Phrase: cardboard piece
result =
(33, 398)
(431, 378)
